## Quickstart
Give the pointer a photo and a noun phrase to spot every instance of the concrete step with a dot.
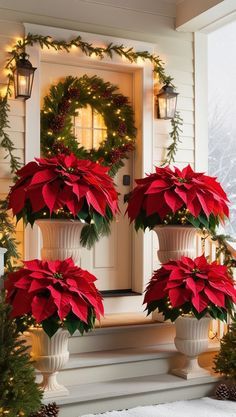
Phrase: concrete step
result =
(122, 337)
(120, 363)
(115, 364)
(131, 392)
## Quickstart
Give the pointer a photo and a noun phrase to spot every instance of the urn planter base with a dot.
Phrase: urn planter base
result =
(51, 388)
(49, 355)
(191, 370)
(191, 340)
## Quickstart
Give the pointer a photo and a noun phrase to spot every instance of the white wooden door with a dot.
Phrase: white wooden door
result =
(111, 258)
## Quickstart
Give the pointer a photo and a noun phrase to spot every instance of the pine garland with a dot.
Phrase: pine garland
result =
(7, 228)
(6, 143)
(88, 49)
(222, 248)
(7, 237)
(172, 149)
(101, 52)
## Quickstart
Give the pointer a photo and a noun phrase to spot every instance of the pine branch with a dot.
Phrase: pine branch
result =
(5, 140)
(172, 149)
(19, 393)
(225, 361)
(7, 237)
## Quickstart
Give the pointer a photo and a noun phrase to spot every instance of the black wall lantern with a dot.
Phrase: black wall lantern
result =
(23, 75)
(166, 102)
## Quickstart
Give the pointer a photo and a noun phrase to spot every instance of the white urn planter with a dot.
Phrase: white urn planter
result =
(49, 356)
(61, 239)
(191, 340)
(175, 241)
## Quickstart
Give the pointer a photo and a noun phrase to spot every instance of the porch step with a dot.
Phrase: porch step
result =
(131, 392)
(122, 363)
(117, 364)
(122, 337)
(125, 366)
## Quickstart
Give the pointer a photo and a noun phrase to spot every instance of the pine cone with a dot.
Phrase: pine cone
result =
(232, 393)
(57, 123)
(222, 392)
(73, 93)
(49, 410)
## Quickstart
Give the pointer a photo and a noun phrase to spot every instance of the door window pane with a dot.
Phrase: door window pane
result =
(89, 127)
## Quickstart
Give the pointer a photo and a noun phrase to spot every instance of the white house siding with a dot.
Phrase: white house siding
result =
(9, 32)
(150, 21)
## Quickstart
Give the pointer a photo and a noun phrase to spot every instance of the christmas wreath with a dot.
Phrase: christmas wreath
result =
(63, 102)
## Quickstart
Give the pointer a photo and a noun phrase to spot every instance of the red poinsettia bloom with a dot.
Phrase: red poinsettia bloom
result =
(63, 182)
(196, 284)
(167, 191)
(47, 289)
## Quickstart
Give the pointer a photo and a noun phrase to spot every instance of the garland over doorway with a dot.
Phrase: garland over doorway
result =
(89, 50)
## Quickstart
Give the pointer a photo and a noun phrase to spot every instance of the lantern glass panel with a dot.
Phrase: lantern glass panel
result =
(23, 81)
(162, 107)
(170, 108)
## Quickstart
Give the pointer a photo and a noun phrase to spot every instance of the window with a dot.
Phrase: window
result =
(222, 113)
(89, 128)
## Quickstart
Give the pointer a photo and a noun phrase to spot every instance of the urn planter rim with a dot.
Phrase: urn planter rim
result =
(189, 317)
(174, 226)
(61, 221)
(34, 329)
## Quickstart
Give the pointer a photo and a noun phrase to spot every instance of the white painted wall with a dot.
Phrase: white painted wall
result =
(150, 21)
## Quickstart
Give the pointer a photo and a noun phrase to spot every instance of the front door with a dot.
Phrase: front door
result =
(110, 260)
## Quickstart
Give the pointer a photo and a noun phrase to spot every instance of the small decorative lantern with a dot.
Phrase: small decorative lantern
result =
(166, 102)
(23, 74)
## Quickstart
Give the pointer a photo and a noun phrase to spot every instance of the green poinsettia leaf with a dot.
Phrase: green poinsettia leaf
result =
(194, 221)
(72, 324)
(203, 220)
(50, 326)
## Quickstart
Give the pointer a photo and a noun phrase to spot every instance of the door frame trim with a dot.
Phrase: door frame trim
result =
(143, 100)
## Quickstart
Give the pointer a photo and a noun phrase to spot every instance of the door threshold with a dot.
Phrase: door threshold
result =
(124, 319)
(119, 293)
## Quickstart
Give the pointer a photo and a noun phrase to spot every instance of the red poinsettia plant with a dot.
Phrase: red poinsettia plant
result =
(191, 286)
(55, 294)
(65, 187)
(175, 196)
